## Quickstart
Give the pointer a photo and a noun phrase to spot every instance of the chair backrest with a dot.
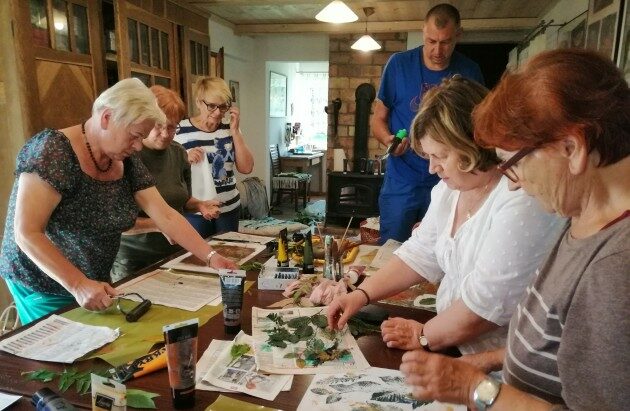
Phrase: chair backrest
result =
(275, 159)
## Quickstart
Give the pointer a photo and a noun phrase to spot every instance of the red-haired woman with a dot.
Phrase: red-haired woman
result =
(562, 128)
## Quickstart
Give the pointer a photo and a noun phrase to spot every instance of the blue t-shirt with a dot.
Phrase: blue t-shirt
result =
(404, 82)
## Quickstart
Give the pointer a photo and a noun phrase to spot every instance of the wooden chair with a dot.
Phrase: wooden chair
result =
(292, 183)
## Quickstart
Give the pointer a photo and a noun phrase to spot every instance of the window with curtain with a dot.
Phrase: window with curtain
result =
(311, 98)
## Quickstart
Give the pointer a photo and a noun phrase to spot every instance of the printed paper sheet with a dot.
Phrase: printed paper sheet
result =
(296, 341)
(208, 359)
(240, 374)
(184, 291)
(240, 253)
(57, 339)
(374, 389)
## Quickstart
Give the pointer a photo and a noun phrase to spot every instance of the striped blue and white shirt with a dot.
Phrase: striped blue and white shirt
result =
(219, 147)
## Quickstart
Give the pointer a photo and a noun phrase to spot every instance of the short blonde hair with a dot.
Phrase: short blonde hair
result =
(170, 103)
(446, 116)
(214, 86)
(130, 102)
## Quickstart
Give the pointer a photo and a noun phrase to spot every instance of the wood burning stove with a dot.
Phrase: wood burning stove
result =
(352, 194)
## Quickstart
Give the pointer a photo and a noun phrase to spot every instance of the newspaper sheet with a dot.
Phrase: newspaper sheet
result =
(239, 373)
(240, 253)
(57, 339)
(208, 359)
(374, 389)
(184, 291)
(296, 341)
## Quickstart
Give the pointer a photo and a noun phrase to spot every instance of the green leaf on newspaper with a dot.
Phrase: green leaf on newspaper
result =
(140, 398)
(238, 350)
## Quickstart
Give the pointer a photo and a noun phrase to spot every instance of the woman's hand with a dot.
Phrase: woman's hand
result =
(209, 209)
(344, 307)
(93, 295)
(235, 119)
(401, 333)
(218, 261)
(437, 377)
(195, 155)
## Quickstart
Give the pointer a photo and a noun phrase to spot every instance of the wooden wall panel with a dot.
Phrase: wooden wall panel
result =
(66, 93)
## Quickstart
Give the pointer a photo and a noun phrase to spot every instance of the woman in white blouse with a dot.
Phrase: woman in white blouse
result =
(480, 240)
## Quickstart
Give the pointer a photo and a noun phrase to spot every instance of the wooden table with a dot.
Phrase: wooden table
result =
(372, 346)
(314, 163)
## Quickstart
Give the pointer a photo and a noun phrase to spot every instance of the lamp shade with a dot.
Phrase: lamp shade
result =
(366, 43)
(337, 12)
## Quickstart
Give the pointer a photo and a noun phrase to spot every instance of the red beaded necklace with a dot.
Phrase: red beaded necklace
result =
(87, 143)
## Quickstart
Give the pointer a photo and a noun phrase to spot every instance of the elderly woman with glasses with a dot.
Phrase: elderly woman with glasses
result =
(481, 241)
(562, 126)
(167, 162)
(206, 136)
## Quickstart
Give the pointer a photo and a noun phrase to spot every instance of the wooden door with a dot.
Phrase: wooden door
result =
(146, 43)
(195, 62)
(65, 55)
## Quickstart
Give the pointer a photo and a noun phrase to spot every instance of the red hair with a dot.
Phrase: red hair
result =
(170, 103)
(559, 92)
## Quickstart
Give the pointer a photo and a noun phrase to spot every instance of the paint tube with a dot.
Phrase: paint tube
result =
(153, 361)
(232, 285)
(108, 395)
(283, 249)
(181, 359)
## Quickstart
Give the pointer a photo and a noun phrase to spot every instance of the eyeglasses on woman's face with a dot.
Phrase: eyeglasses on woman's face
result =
(211, 107)
(506, 167)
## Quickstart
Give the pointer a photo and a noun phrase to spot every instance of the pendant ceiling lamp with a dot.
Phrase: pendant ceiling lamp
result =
(336, 12)
(366, 42)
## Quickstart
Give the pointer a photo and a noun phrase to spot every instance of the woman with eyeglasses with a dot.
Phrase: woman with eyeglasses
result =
(562, 127)
(76, 190)
(206, 136)
(167, 161)
(481, 241)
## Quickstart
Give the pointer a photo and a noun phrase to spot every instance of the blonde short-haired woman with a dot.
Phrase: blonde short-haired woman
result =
(206, 136)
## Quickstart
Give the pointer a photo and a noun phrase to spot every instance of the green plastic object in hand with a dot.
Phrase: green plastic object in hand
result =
(400, 134)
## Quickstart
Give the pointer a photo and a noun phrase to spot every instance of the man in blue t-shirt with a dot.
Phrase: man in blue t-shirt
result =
(406, 192)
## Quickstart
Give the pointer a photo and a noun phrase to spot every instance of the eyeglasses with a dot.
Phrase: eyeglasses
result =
(170, 129)
(506, 166)
(213, 107)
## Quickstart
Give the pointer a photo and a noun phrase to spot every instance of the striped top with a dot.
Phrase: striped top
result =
(568, 340)
(219, 147)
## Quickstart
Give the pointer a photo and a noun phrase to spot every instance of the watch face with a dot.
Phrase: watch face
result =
(423, 341)
(487, 390)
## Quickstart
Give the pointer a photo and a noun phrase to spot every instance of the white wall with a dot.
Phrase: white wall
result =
(249, 60)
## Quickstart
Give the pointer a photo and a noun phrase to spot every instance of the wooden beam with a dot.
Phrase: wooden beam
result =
(510, 24)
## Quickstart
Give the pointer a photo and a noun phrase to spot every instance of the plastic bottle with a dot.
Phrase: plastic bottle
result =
(48, 400)
(308, 266)
(400, 134)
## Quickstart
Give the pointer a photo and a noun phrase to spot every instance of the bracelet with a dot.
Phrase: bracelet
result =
(209, 257)
(367, 297)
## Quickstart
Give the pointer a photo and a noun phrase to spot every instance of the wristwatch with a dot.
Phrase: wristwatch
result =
(486, 392)
(424, 342)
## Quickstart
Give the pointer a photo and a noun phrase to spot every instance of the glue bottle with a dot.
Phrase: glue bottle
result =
(398, 138)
